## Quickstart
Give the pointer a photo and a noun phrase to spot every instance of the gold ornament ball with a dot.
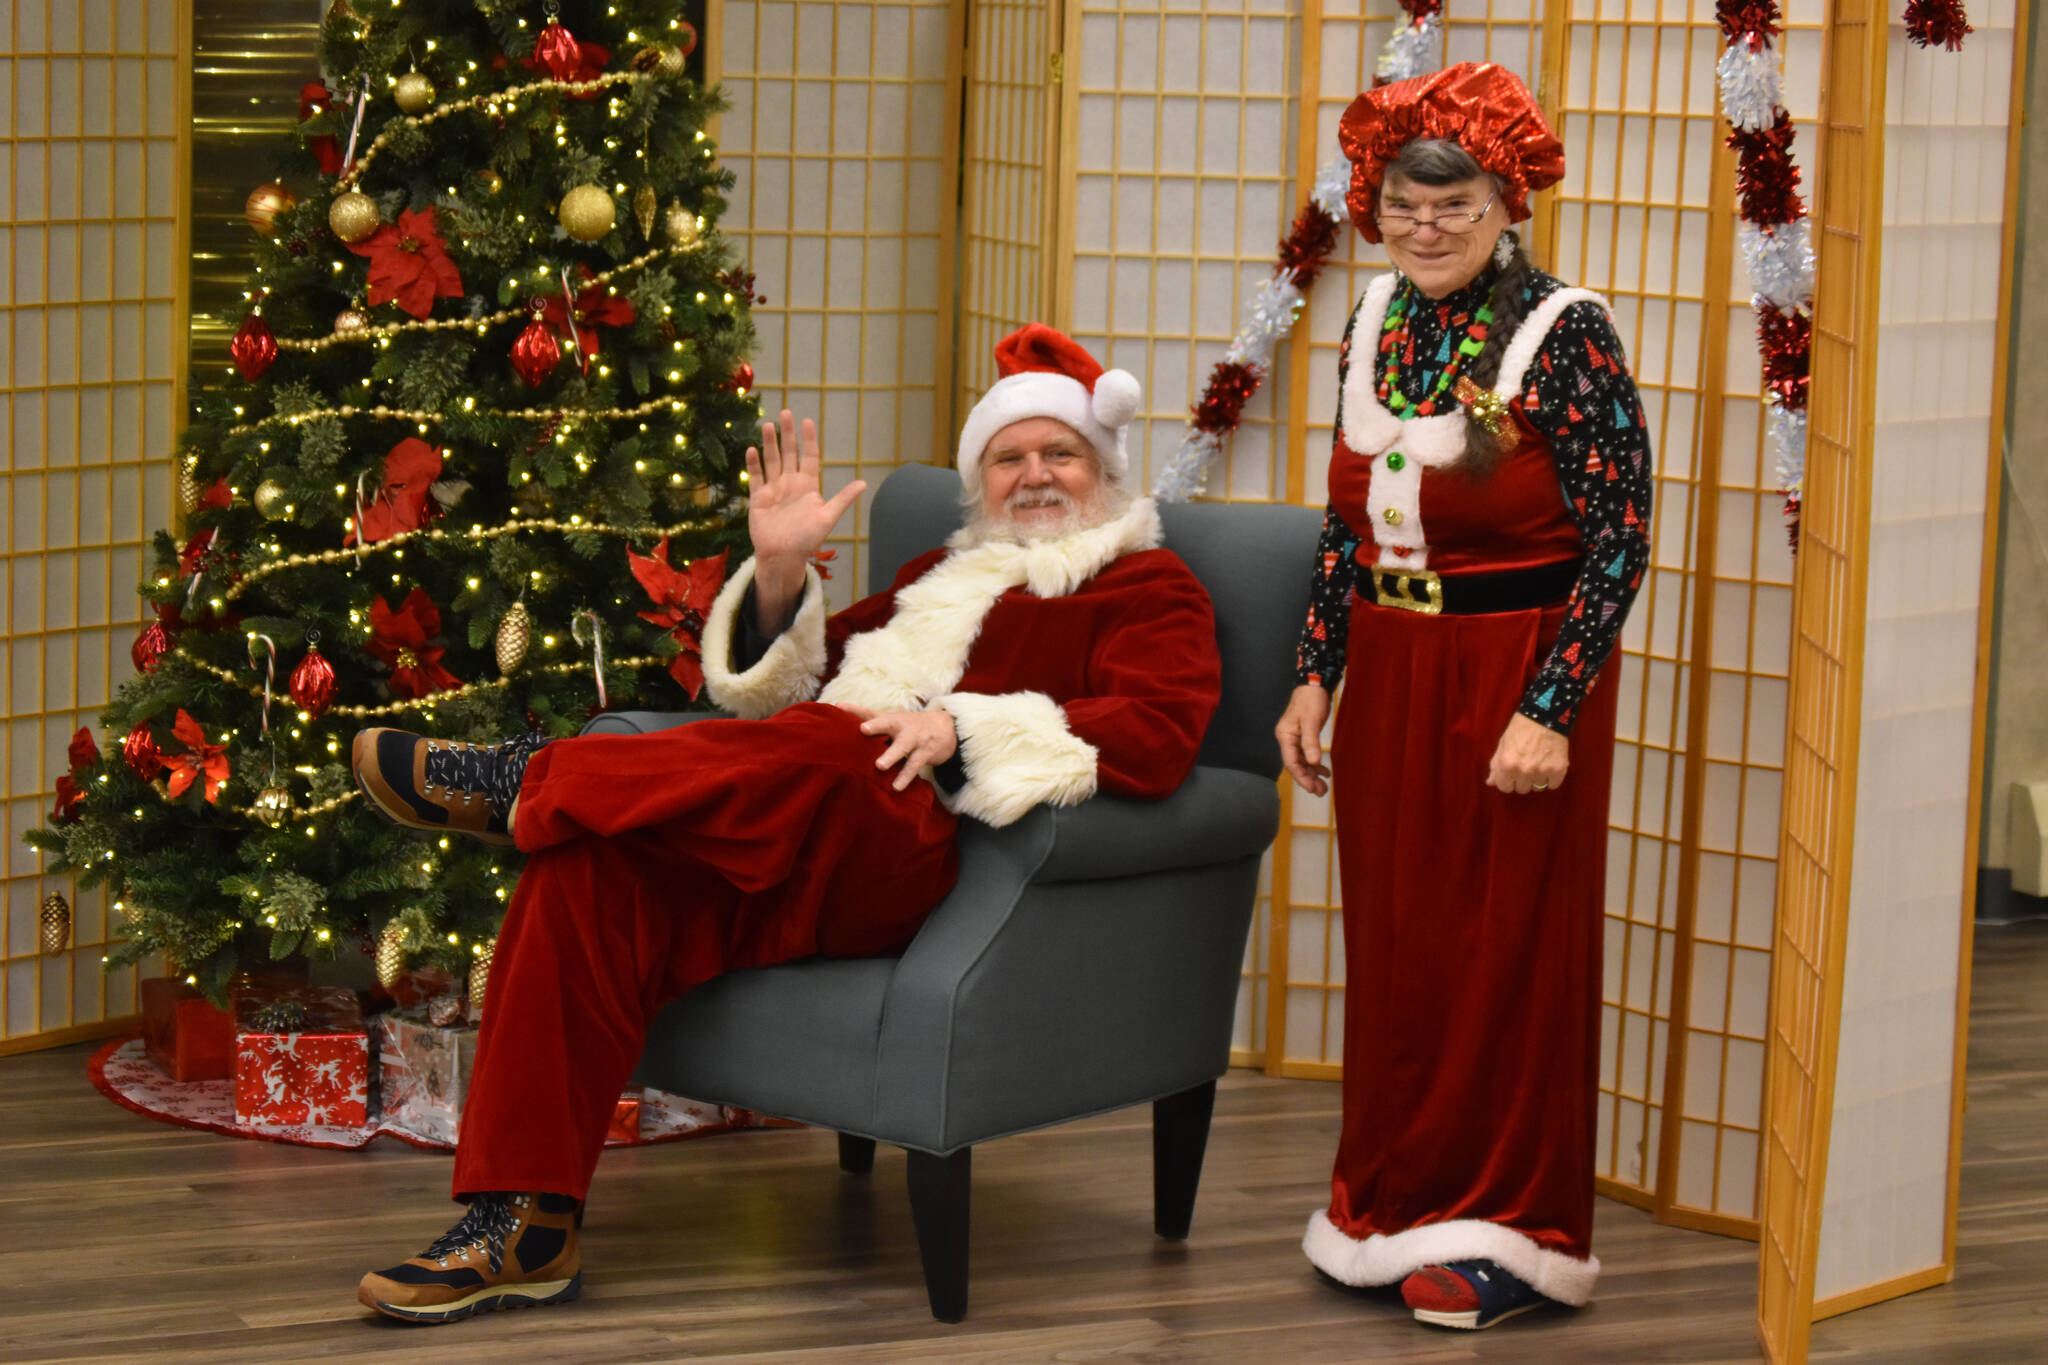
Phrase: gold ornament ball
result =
(55, 923)
(349, 320)
(390, 955)
(480, 977)
(587, 213)
(515, 633)
(491, 181)
(273, 805)
(353, 216)
(266, 202)
(414, 93)
(681, 226)
(661, 59)
(272, 501)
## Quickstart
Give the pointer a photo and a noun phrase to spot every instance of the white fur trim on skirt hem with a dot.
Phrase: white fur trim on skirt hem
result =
(1390, 1258)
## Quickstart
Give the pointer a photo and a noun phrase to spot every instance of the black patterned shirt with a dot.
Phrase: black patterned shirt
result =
(1600, 445)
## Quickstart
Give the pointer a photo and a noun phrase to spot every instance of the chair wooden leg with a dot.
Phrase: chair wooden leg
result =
(938, 1204)
(1180, 1134)
(856, 1154)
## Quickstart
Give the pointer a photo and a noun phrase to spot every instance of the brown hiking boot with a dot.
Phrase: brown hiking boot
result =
(442, 786)
(508, 1251)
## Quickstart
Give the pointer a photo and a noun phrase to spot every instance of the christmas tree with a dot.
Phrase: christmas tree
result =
(472, 469)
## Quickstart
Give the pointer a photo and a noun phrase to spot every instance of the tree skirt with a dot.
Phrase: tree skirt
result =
(123, 1073)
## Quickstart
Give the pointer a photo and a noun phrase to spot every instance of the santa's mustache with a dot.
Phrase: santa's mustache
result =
(1025, 500)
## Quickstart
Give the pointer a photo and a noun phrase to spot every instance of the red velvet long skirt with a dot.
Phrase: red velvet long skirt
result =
(1472, 936)
(656, 863)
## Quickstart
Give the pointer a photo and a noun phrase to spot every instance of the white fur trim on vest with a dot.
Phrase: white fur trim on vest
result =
(921, 653)
(1102, 418)
(1391, 1258)
(1437, 442)
(787, 674)
(1018, 753)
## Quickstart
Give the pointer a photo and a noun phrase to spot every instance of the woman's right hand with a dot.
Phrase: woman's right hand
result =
(788, 516)
(1300, 732)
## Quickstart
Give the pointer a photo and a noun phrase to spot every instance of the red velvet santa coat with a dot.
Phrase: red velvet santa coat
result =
(659, 861)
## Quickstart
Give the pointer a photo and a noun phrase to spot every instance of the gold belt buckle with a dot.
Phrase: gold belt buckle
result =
(1395, 588)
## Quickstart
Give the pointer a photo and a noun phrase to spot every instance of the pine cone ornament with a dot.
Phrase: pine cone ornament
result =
(54, 923)
(515, 633)
(480, 977)
(390, 955)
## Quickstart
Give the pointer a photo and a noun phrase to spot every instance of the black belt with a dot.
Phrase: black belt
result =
(1473, 594)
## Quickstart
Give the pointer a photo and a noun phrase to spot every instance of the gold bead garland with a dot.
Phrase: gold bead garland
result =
(652, 405)
(480, 325)
(426, 703)
(354, 175)
(393, 542)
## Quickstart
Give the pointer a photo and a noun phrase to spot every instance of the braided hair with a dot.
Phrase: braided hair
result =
(1437, 162)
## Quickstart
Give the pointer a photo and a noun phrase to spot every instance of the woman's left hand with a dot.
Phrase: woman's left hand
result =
(1530, 757)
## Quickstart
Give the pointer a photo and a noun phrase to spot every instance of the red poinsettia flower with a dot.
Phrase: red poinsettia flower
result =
(403, 502)
(200, 760)
(822, 562)
(400, 638)
(681, 598)
(314, 99)
(595, 308)
(83, 753)
(70, 802)
(409, 263)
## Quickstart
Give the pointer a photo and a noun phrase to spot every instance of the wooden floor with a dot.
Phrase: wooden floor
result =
(124, 1239)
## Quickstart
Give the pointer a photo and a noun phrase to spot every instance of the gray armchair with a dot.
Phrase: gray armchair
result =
(1087, 960)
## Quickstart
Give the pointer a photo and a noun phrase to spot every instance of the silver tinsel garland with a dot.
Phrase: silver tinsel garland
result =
(1779, 259)
(1412, 51)
(1269, 317)
(1750, 89)
(1333, 182)
(1788, 442)
(1186, 474)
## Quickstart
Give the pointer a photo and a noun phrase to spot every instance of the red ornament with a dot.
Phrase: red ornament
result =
(139, 750)
(686, 38)
(743, 378)
(558, 51)
(253, 347)
(1937, 23)
(312, 685)
(150, 646)
(535, 352)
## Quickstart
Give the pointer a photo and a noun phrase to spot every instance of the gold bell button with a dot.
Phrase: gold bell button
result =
(1392, 516)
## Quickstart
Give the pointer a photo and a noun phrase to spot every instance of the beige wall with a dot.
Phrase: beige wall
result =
(2017, 737)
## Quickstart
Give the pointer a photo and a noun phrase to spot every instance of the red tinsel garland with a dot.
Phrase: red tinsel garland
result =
(1230, 386)
(1937, 23)
(1786, 340)
(1308, 245)
(1748, 21)
(1766, 177)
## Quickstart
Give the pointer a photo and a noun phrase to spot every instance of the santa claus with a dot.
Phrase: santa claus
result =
(1051, 649)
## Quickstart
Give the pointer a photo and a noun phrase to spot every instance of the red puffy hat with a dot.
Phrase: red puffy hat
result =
(1481, 106)
(1046, 373)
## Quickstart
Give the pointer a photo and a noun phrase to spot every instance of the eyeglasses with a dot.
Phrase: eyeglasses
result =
(1455, 224)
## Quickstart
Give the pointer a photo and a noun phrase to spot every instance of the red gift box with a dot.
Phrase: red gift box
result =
(302, 1058)
(625, 1124)
(185, 1033)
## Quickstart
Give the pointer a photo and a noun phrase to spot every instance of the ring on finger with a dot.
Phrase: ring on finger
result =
(1543, 786)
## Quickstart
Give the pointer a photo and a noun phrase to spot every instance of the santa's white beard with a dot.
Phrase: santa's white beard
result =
(1109, 503)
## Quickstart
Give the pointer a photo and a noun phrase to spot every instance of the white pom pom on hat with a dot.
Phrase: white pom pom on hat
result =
(1046, 373)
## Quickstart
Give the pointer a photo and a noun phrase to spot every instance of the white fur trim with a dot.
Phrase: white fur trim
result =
(1393, 1257)
(787, 674)
(1018, 753)
(1042, 393)
(920, 654)
(1528, 338)
(1368, 427)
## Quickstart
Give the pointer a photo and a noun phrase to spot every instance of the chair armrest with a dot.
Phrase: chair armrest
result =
(1217, 816)
(645, 722)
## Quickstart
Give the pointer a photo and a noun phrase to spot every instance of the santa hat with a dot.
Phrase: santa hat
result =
(1482, 107)
(1046, 373)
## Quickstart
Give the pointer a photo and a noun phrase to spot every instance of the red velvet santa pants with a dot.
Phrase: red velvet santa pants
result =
(655, 863)
(1472, 937)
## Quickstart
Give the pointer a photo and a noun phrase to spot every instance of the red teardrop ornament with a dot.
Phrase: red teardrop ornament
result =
(536, 353)
(253, 347)
(558, 51)
(312, 686)
(140, 751)
(743, 377)
(150, 646)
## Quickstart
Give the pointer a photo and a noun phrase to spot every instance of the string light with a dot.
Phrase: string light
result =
(670, 405)
(425, 704)
(489, 103)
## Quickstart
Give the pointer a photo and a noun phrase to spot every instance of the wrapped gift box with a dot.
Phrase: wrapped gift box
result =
(423, 1071)
(625, 1124)
(185, 1033)
(302, 1058)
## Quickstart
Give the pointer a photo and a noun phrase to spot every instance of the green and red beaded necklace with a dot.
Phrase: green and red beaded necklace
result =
(1397, 348)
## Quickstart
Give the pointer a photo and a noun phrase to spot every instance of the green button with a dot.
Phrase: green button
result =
(1396, 461)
